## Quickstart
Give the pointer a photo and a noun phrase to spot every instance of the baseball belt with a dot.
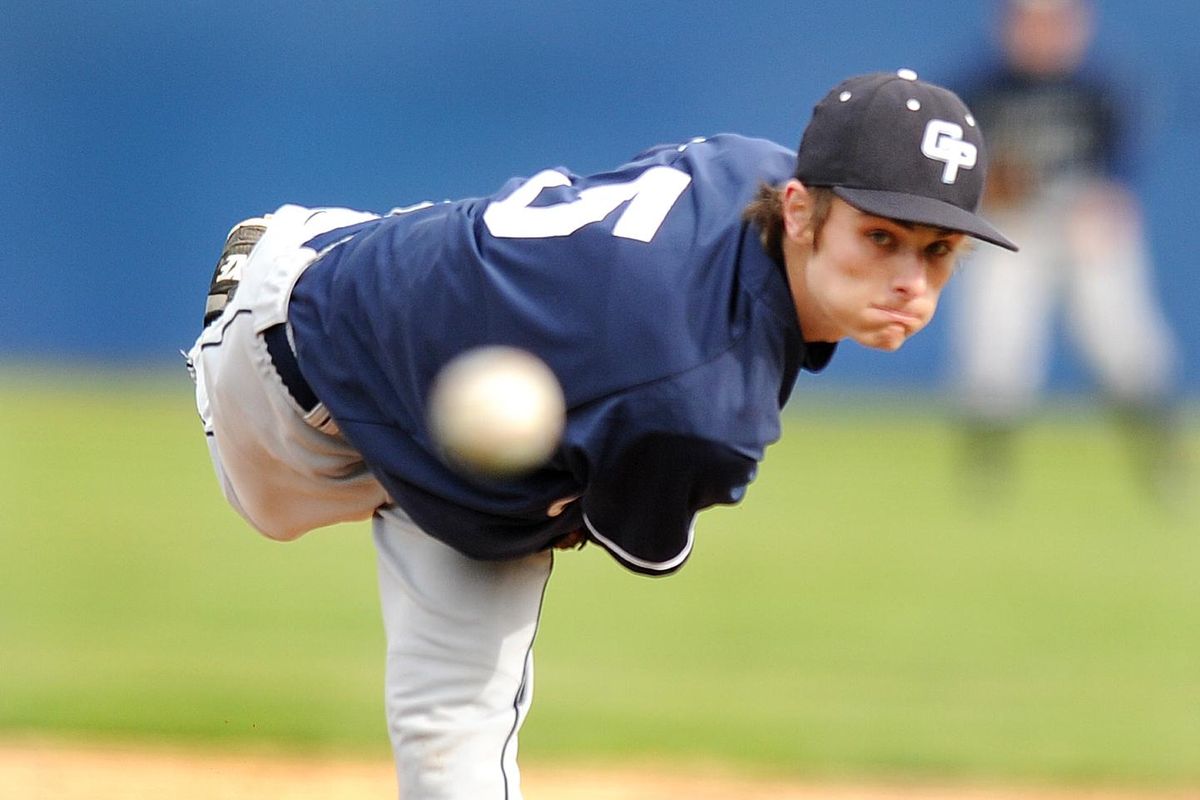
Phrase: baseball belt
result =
(284, 359)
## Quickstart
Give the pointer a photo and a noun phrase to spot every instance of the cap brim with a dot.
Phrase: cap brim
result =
(922, 211)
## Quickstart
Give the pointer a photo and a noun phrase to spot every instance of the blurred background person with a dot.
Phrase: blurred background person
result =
(1060, 140)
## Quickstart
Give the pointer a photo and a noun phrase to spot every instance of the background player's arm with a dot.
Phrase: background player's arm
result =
(1011, 180)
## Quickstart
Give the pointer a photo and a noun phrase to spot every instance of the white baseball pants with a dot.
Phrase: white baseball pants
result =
(459, 632)
(1094, 267)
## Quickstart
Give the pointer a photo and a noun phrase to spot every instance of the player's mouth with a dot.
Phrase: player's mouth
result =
(909, 321)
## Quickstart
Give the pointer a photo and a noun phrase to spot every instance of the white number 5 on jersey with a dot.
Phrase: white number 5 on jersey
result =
(651, 196)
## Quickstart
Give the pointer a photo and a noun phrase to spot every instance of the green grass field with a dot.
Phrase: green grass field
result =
(859, 615)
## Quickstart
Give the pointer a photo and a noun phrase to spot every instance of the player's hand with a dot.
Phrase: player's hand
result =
(1104, 220)
(1010, 182)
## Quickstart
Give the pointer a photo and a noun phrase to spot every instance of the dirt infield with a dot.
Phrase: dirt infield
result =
(33, 771)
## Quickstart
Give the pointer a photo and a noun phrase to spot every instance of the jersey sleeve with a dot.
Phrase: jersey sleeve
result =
(654, 456)
(642, 504)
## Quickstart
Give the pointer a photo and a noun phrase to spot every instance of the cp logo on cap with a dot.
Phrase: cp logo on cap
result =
(943, 141)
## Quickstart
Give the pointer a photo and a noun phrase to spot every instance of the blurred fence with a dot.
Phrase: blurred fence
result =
(133, 134)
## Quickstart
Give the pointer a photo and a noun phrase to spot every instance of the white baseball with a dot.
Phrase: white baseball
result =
(496, 411)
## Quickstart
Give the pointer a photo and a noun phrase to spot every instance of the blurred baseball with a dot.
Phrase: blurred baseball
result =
(496, 411)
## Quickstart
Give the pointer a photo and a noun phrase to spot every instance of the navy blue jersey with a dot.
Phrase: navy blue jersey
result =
(672, 332)
(1058, 128)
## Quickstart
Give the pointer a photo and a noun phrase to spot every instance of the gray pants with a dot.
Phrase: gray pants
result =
(459, 632)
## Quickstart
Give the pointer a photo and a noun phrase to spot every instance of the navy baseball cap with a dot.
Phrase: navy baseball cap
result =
(895, 146)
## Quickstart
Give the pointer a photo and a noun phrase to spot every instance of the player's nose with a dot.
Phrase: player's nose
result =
(911, 276)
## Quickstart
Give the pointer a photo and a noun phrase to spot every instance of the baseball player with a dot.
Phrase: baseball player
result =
(676, 298)
(1058, 137)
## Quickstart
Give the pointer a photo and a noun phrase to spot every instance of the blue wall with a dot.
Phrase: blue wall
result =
(132, 134)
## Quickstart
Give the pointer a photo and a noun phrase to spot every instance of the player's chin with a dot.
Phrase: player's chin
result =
(889, 338)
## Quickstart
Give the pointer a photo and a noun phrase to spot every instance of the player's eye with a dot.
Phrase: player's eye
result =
(939, 249)
(881, 237)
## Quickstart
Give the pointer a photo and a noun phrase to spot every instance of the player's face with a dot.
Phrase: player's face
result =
(1046, 38)
(873, 279)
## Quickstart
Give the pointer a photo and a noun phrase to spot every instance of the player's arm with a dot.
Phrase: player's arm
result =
(642, 501)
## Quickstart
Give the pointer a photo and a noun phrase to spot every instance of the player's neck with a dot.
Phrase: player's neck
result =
(814, 323)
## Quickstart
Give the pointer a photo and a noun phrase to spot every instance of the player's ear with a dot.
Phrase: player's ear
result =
(797, 205)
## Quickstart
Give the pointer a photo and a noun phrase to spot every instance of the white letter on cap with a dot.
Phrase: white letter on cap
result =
(943, 141)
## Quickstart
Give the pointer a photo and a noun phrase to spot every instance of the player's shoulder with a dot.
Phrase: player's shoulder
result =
(983, 76)
(727, 165)
(716, 146)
